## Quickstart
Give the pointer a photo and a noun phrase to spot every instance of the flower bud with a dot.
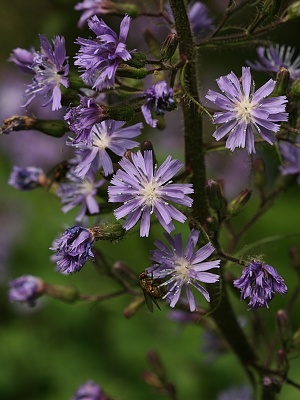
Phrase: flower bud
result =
(237, 204)
(169, 47)
(147, 145)
(51, 127)
(124, 273)
(295, 258)
(138, 60)
(126, 71)
(282, 360)
(110, 231)
(134, 306)
(153, 43)
(259, 176)
(282, 82)
(215, 197)
(292, 12)
(283, 325)
(26, 289)
(121, 112)
(156, 365)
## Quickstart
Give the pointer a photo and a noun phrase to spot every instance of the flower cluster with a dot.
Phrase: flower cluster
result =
(180, 266)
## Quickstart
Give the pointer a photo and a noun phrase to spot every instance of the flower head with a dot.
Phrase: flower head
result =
(51, 70)
(159, 97)
(273, 58)
(179, 266)
(245, 111)
(26, 178)
(82, 118)
(291, 159)
(88, 391)
(108, 135)
(145, 190)
(23, 59)
(73, 249)
(26, 288)
(199, 18)
(93, 7)
(81, 192)
(99, 59)
(259, 282)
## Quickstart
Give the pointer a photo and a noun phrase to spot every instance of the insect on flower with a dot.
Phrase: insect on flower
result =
(151, 290)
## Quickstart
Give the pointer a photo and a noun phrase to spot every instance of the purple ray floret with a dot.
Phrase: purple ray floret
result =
(245, 111)
(51, 70)
(271, 59)
(73, 249)
(259, 282)
(160, 98)
(89, 391)
(199, 18)
(291, 159)
(25, 289)
(110, 135)
(23, 59)
(145, 190)
(99, 59)
(93, 7)
(181, 266)
(25, 178)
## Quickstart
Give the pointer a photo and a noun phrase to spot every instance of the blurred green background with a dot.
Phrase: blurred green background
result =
(48, 351)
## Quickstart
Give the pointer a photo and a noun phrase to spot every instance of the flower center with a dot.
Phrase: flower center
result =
(182, 268)
(244, 109)
(86, 187)
(150, 192)
(100, 138)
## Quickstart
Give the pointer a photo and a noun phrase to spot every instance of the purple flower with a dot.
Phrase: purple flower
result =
(108, 135)
(200, 22)
(245, 111)
(291, 158)
(80, 192)
(26, 178)
(159, 97)
(81, 119)
(236, 393)
(145, 190)
(23, 59)
(51, 70)
(26, 288)
(93, 7)
(73, 249)
(273, 58)
(259, 282)
(180, 266)
(88, 391)
(99, 59)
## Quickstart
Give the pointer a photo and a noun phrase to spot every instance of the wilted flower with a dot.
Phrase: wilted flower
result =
(259, 282)
(145, 190)
(50, 69)
(108, 135)
(179, 266)
(273, 58)
(73, 249)
(82, 118)
(26, 178)
(89, 391)
(160, 98)
(99, 59)
(246, 111)
(291, 159)
(25, 289)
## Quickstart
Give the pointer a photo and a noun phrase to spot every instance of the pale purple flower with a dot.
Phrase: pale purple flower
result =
(259, 282)
(25, 289)
(160, 98)
(80, 192)
(23, 59)
(179, 266)
(51, 70)
(73, 249)
(82, 118)
(272, 58)
(291, 158)
(93, 7)
(145, 190)
(236, 393)
(245, 111)
(27, 178)
(108, 135)
(89, 391)
(99, 58)
(199, 18)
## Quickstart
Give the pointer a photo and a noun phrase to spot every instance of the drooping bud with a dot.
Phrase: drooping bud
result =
(238, 203)
(169, 47)
(110, 231)
(282, 82)
(215, 196)
(153, 43)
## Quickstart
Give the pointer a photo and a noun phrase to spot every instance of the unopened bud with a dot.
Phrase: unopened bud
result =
(169, 47)
(51, 127)
(134, 306)
(282, 360)
(121, 112)
(126, 71)
(282, 82)
(156, 365)
(292, 12)
(138, 60)
(283, 325)
(124, 273)
(110, 231)
(147, 145)
(260, 177)
(237, 204)
(153, 380)
(153, 43)
(215, 197)
(295, 343)
(295, 258)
